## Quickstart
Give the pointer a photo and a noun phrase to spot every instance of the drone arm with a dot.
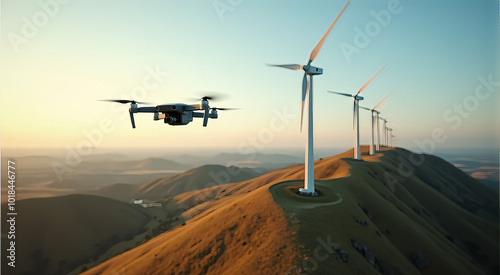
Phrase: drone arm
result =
(194, 107)
(134, 109)
(146, 110)
(195, 114)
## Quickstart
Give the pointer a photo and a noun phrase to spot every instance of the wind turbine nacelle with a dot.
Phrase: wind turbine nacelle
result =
(313, 70)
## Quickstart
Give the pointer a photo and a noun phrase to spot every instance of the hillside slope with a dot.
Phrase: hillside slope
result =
(55, 235)
(397, 213)
(405, 217)
(248, 233)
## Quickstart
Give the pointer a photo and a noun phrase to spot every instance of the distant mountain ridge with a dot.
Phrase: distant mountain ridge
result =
(41, 179)
(195, 179)
(254, 160)
(159, 164)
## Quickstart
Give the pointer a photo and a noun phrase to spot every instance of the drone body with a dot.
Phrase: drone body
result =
(176, 113)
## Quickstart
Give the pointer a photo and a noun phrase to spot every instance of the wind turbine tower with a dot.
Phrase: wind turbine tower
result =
(389, 137)
(386, 130)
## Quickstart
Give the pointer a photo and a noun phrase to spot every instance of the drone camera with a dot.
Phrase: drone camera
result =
(170, 119)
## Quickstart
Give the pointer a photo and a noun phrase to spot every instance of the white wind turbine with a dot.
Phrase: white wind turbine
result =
(307, 91)
(377, 128)
(374, 114)
(355, 115)
(390, 140)
(389, 137)
(386, 129)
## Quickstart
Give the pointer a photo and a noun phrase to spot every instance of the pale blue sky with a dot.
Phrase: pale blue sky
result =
(90, 50)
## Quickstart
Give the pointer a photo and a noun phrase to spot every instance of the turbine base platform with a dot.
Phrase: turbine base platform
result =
(305, 192)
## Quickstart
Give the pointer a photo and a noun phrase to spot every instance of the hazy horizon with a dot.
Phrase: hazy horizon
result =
(141, 152)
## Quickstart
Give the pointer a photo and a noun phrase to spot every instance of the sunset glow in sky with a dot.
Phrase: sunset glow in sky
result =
(58, 58)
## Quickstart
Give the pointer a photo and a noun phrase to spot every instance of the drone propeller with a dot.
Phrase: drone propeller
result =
(131, 110)
(224, 109)
(210, 96)
(124, 101)
(207, 114)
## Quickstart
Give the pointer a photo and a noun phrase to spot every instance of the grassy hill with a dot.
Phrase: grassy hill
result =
(55, 235)
(192, 180)
(392, 213)
(396, 213)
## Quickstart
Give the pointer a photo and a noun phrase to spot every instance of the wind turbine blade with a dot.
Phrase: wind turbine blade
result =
(383, 107)
(387, 117)
(344, 94)
(294, 67)
(380, 102)
(316, 49)
(366, 84)
(368, 109)
(305, 91)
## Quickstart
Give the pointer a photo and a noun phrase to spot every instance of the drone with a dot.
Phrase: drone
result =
(176, 113)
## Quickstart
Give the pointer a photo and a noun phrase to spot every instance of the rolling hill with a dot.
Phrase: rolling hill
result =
(192, 180)
(55, 235)
(249, 160)
(40, 178)
(393, 213)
